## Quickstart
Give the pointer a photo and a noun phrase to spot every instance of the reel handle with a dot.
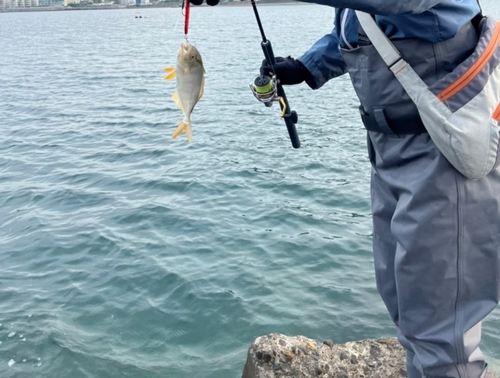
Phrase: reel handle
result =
(290, 116)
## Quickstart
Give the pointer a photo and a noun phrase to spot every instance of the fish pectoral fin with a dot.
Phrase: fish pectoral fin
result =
(201, 89)
(177, 100)
(170, 73)
(185, 126)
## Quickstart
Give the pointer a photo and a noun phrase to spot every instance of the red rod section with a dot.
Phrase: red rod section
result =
(186, 17)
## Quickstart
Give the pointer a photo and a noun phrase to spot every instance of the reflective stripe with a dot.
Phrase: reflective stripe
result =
(496, 114)
(342, 28)
(474, 70)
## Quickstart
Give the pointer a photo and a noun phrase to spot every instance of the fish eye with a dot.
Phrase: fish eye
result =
(192, 56)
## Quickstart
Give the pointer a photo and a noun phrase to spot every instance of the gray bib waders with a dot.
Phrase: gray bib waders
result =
(436, 234)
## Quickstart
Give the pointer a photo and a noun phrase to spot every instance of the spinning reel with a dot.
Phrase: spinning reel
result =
(265, 89)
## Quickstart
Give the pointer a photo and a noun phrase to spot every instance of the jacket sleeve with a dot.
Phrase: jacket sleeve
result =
(381, 7)
(324, 61)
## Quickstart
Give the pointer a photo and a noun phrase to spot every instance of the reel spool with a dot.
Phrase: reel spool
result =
(265, 89)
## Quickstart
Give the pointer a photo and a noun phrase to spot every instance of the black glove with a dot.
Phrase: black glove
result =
(209, 2)
(288, 70)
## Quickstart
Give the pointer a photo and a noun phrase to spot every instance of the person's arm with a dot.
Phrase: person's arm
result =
(323, 61)
(319, 64)
(380, 7)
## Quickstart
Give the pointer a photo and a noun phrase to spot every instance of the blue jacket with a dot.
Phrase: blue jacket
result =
(430, 20)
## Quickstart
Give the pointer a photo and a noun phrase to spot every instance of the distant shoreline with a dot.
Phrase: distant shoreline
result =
(164, 5)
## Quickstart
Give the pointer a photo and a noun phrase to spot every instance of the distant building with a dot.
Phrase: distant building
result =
(8, 4)
(51, 3)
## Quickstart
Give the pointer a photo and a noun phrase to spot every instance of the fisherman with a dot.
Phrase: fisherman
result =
(436, 234)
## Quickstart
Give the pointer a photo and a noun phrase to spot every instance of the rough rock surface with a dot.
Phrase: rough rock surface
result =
(280, 356)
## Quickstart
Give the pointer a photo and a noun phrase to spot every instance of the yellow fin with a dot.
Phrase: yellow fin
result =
(177, 100)
(201, 88)
(170, 73)
(185, 126)
(189, 132)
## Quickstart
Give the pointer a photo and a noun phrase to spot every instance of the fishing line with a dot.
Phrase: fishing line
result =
(185, 18)
(176, 24)
(177, 18)
(185, 14)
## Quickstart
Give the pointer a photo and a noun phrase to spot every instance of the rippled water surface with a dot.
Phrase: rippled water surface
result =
(126, 254)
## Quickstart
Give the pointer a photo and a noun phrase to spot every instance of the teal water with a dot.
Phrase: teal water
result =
(126, 254)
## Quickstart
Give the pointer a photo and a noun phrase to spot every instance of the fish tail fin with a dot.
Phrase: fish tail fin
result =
(185, 126)
(189, 132)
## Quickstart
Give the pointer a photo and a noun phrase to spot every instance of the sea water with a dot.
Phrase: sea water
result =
(126, 254)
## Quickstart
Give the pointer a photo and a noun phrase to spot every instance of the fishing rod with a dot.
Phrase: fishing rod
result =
(268, 89)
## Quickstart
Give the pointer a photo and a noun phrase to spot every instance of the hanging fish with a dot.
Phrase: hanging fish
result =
(189, 73)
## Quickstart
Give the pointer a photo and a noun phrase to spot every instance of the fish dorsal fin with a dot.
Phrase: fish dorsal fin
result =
(170, 73)
(177, 100)
(201, 89)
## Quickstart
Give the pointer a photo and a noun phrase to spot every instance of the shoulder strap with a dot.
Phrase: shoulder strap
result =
(480, 8)
(382, 44)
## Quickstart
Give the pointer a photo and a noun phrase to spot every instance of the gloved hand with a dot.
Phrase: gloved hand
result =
(209, 2)
(288, 70)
